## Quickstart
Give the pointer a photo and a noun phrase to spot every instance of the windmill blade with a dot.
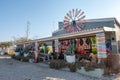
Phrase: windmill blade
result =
(66, 24)
(80, 14)
(81, 25)
(66, 18)
(81, 21)
(81, 17)
(73, 11)
(66, 21)
(78, 28)
(67, 29)
(70, 13)
(72, 29)
(76, 12)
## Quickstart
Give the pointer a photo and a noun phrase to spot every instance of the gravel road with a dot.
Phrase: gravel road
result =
(15, 70)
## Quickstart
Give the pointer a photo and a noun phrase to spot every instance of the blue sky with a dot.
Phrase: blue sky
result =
(44, 15)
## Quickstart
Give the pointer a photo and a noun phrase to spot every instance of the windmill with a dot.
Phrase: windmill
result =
(73, 20)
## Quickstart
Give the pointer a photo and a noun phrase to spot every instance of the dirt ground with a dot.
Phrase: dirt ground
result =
(11, 69)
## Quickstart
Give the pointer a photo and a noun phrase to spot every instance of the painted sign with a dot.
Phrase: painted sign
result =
(101, 46)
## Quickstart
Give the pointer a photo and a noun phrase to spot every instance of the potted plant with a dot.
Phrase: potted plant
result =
(69, 53)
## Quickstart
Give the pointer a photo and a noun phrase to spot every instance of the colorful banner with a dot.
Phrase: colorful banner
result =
(101, 46)
(56, 45)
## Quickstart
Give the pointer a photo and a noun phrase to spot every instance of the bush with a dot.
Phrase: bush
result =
(72, 67)
(94, 50)
(21, 58)
(25, 59)
(57, 64)
(89, 67)
(16, 57)
(12, 56)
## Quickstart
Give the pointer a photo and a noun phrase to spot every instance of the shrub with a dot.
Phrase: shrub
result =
(57, 64)
(94, 50)
(16, 57)
(89, 67)
(25, 59)
(72, 67)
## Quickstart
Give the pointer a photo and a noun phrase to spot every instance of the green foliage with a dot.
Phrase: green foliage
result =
(89, 67)
(25, 59)
(94, 50)
(57, 64)
(69, 50)
(21, 58)
(26, 49)
(44, 48)
(19, 40)
(5, 44)
(93, 39)
(16, 57)
(72, 67)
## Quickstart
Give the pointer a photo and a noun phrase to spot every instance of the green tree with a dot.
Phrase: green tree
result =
(5, 44)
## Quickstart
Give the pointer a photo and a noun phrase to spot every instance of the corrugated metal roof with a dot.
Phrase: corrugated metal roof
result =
(91, 24)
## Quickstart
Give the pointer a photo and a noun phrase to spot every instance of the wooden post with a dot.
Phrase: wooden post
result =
(36, 52)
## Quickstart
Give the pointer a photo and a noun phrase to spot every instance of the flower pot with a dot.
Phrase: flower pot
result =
(70, 58)
(25, 55)
(17, 54)
(2, 53)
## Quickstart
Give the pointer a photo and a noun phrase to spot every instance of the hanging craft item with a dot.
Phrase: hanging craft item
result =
(88, 41)
(73, 21)
(66, 43)
(33, 46)
(81, 41)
